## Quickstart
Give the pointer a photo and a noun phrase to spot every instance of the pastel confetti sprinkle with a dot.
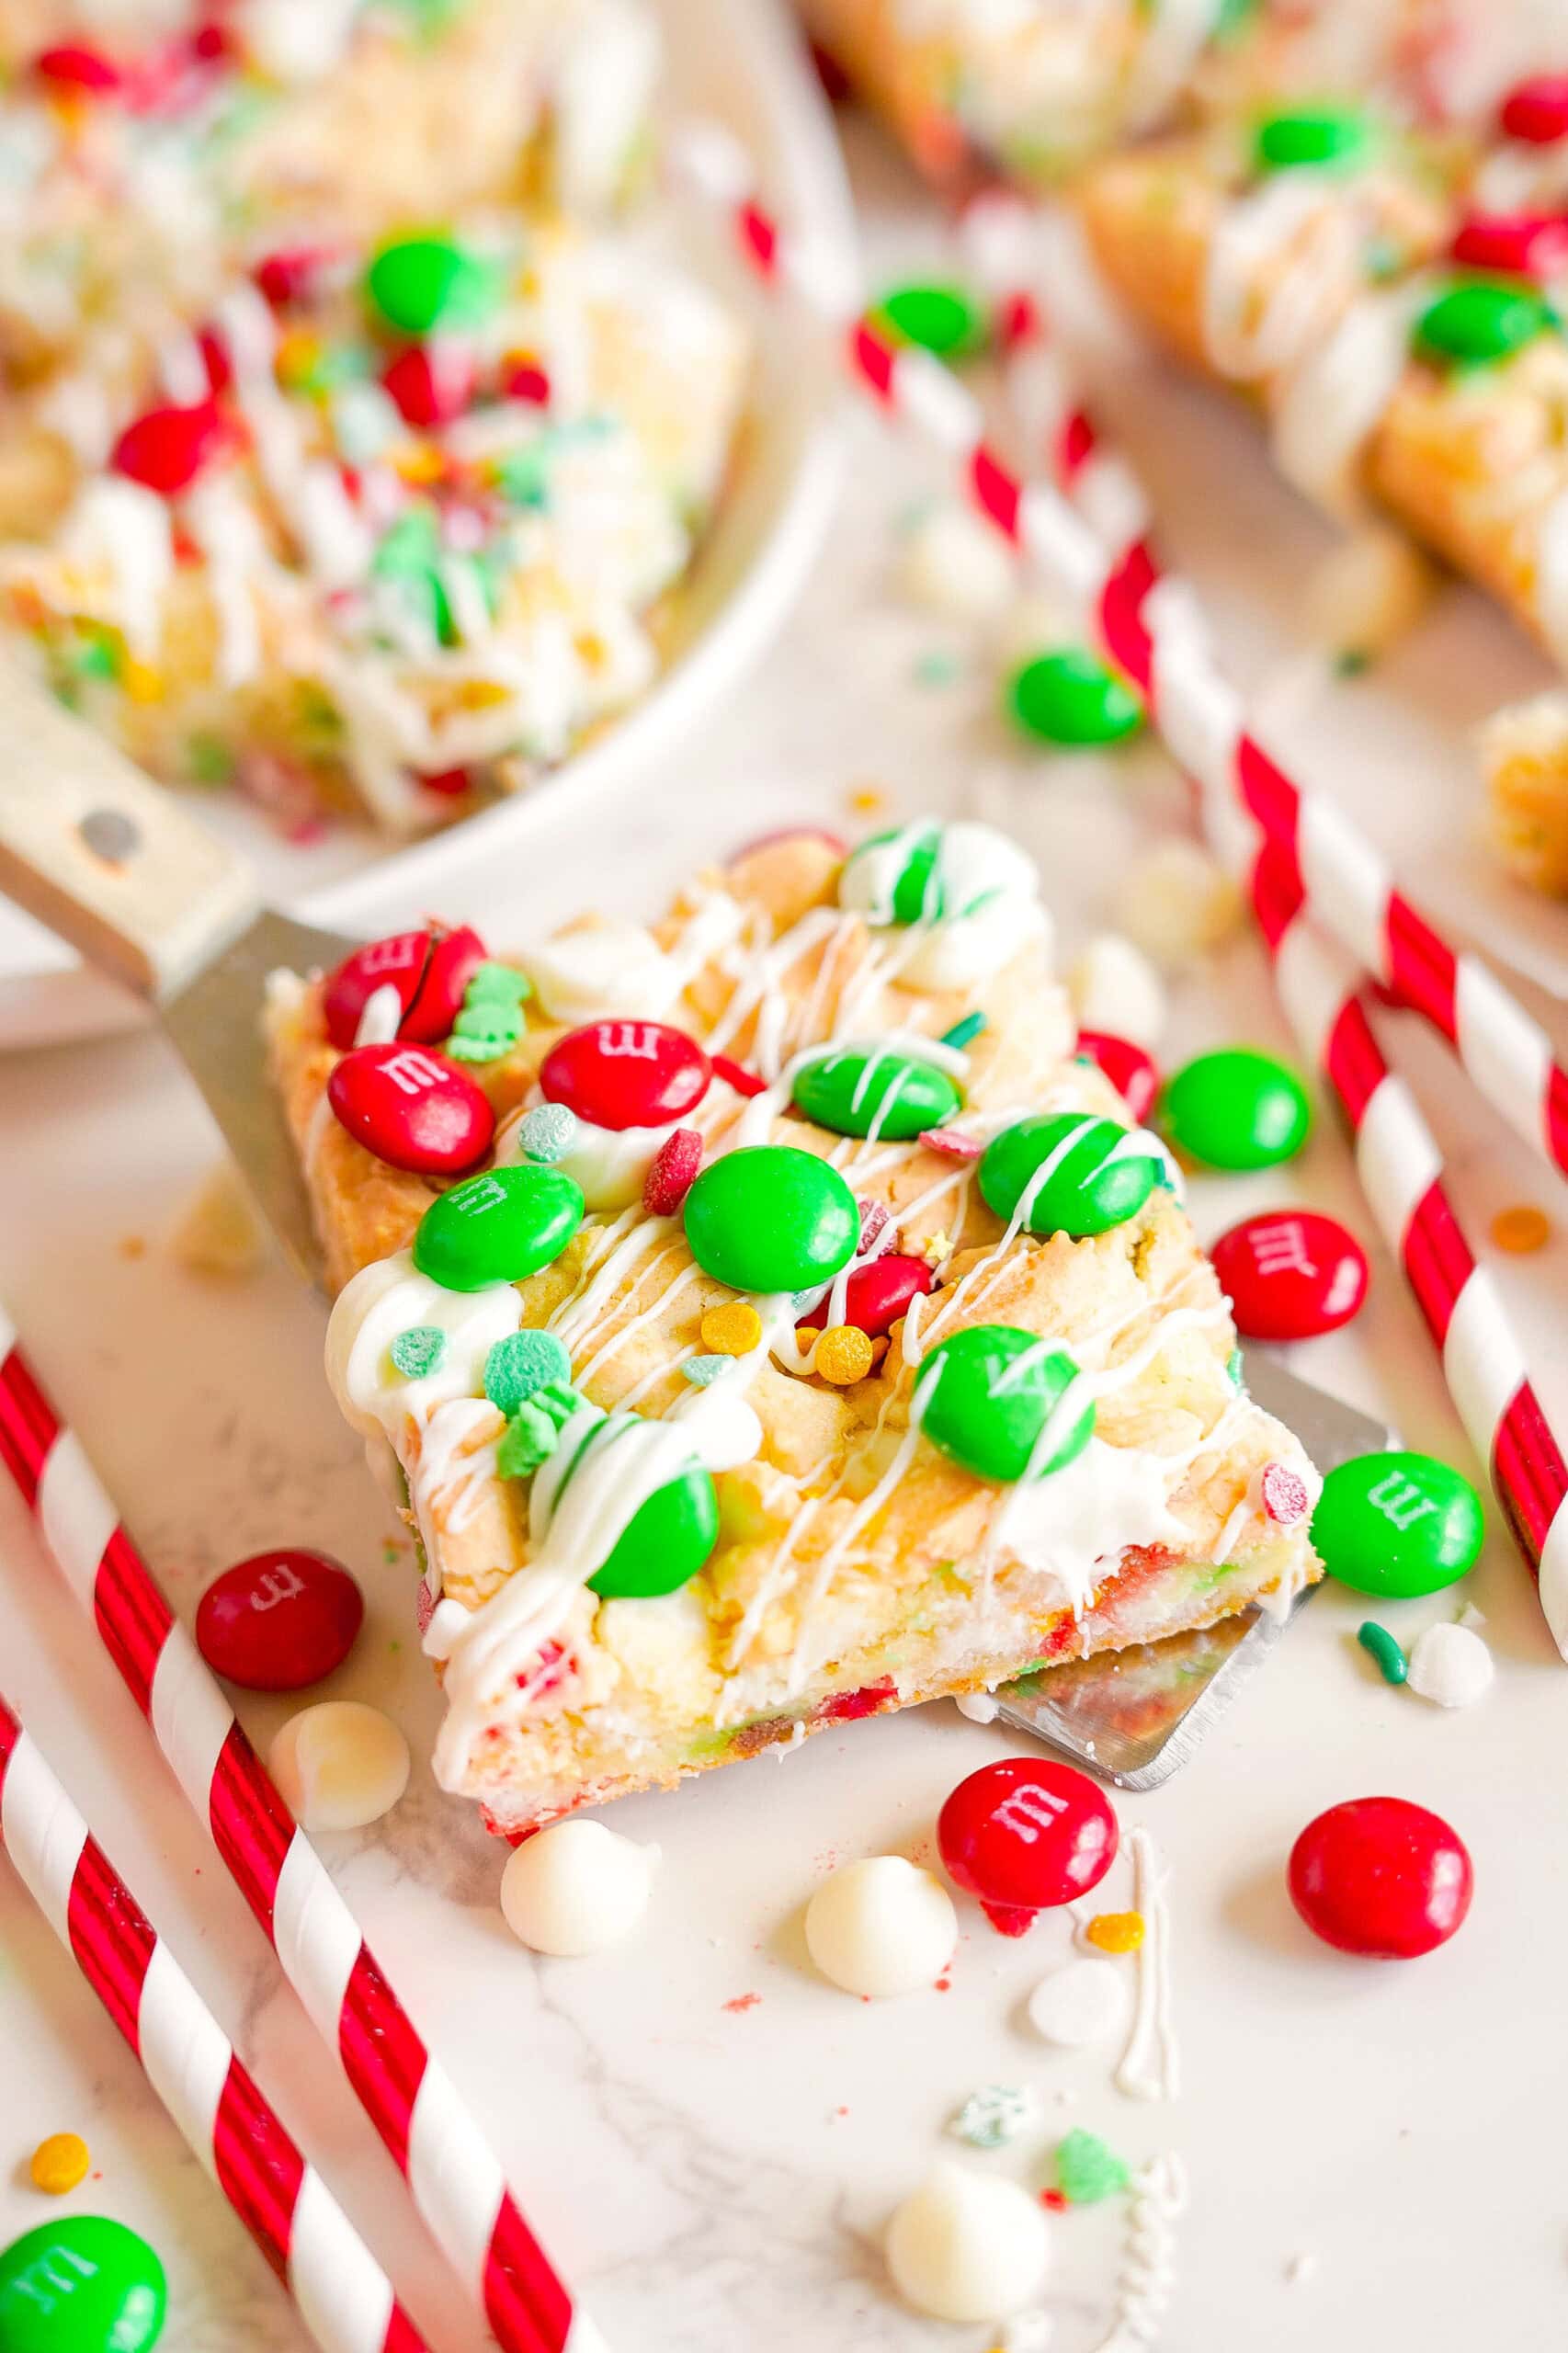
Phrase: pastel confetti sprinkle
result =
(521, 1364)
(702, 1372)
(1086, 2170)
(547, 1132)
(964, 1032)
(419, 1350)
(995, 2115)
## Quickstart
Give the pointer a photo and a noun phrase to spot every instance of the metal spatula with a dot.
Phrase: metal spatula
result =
(113, 863)
(1135, 1716)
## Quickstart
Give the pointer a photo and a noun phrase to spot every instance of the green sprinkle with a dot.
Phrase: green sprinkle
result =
(522, 1363)
(498, 985)
(1351, 662)
(1234, 1368)
(97, 656)
(1086, 2170)
(1378, 1643)
(485, 1046)
(703, 1371)
(964, 1032)
(532, 1439)
(419, 1350)
(487, 1019)
(209, 760)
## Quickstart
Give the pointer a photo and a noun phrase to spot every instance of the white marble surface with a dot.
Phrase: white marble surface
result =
(715, 2167)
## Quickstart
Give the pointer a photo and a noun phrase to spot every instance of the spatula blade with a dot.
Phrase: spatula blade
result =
(214, 1025)
(1134, 1717)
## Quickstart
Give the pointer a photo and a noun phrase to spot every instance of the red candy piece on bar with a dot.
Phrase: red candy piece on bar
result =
(877, 1295)
(280, 1620)
(413, 1108)
(165, 448)
(672, 1172)
(1518, 244)
(1025, 1834)
(455, 956)
(1130, 1069)
(1291, 1274)
(1382, 1877)
(397, 961)
(1536, 110)
(735, 1074)
(626, 1073)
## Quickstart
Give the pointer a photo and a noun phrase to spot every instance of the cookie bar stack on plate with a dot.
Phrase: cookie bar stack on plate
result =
(767, 1317)
(347, 453)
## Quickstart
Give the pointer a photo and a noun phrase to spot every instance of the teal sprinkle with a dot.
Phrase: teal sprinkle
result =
(498, 985)
(1378, 1643)
(1086, 2170)
(419, 1350)
(547, 1132)
(522, 1363)
(1234, 1368)
(993, 2115)
(936, 669)
(703, 1371)
(532, 1439)
(964, 1032)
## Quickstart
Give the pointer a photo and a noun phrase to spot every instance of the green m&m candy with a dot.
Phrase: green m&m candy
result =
(498, 1227)
(986, 1395)
(1077, 1174)
(1397, 1524)
(1072, 697)
(1482, 320)
(81, 2285)
(1236, 1109)
(771, 1218)
(672, 1532)
(1310, 135)
(875, 1091)
(939, 318)
(421, 283)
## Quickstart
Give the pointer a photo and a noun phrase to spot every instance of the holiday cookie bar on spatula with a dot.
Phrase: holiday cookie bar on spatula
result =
(773, 1323)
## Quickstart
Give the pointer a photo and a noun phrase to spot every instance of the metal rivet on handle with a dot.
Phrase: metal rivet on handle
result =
(111, 836)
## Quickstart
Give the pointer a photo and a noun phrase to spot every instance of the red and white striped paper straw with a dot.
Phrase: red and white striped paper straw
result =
(1401, 1172)
(453, 2175)
(1150, 624)
(344, 2297)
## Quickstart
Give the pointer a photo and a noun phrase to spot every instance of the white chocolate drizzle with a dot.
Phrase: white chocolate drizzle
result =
(1148, 2267)
(1151, 2064)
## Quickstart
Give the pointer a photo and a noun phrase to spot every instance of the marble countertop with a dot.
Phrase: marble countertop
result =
(710, 2136)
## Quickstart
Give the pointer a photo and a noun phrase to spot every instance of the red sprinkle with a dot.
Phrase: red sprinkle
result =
(288, 275)
(1536, 110)
(744, 1082)
(524, 381)
(73, 66)
(1519, 244)
(950, 1143)
(430, 384)
(1284, 1493)
(450, 782)
(167, 447)
(672, 1173)
(742, 2002)
(1055, 2199)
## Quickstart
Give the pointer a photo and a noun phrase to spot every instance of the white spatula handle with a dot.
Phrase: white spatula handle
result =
(103, 856)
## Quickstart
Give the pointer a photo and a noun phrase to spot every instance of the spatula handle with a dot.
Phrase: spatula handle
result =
(103, 856)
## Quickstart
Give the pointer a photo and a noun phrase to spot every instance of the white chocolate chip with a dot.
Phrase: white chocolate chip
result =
(1367, 594)
(1114, 987)
(1177, 902)
(980, 1707)
(954, 565)
(339, 1765)
(968, 2247)
(882, 1927)
(577, 1888)
(1451, 1664)
(1082, 2002)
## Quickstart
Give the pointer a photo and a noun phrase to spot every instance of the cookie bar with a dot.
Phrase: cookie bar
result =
(806, 1333)
(1524, 759)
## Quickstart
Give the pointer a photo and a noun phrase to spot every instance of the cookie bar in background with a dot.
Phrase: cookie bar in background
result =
(766, 1319)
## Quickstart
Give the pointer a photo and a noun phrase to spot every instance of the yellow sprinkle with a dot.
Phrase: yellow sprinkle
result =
(867, 800)
(1522, 1229)
(139, 682)
(296, 355)
(60, 2162)
(1115, 1931)
(844, 1354)
(935, 1248)
(733, 1330)
(419, 462)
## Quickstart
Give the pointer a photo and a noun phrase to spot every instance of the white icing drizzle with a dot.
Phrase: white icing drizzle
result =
(1247, 333)
(1150, 2067)
(1148, 2267)
(1333, 402)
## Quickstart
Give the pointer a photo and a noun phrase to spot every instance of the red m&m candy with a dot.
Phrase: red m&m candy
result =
(280, 1620)
(1536, 110)
(429, 969)
(1025, 1834)
(1128, 1068)
(1517, 245)
(72, 65)
(1382, 1877)
(412, 1107)
(626, 1073)
(877, 1294)
(1291, 1274)
(165, 448)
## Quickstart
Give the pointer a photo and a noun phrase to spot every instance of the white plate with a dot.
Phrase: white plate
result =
(744, 65)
